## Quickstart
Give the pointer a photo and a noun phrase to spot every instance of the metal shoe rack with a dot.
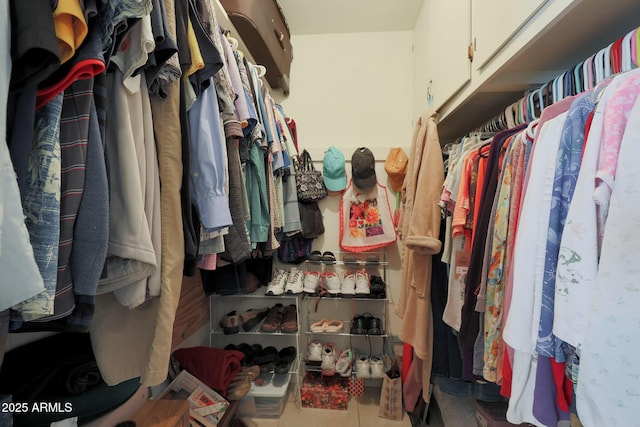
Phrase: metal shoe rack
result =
(321, 306)
(267, 400)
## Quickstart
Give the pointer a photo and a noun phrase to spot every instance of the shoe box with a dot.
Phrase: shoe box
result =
(493, 414)
(324, 392)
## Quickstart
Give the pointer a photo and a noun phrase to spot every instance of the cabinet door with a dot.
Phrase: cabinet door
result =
(495, 22)
(440, 47)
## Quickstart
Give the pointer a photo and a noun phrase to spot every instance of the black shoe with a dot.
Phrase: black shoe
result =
(374, 326)
(284, 359)
(359, 325)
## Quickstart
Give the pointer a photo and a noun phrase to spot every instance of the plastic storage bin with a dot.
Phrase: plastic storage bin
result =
(266, 401)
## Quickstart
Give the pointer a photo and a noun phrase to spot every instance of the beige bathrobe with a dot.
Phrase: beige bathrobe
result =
(419, 229)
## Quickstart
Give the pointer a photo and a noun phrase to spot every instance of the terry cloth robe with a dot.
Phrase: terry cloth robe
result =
(419, 229)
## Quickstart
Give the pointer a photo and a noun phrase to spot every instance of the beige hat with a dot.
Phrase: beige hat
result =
(396, 168)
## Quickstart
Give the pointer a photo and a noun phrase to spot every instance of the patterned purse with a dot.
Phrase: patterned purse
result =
(309, 181)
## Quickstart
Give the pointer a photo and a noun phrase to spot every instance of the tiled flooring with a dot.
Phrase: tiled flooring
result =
(361, 412)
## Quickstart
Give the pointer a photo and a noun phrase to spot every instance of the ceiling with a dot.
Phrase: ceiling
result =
(349, 16)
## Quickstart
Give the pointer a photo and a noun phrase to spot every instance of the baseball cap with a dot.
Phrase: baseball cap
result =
(396, 168)
(363, 168)
(333, 170)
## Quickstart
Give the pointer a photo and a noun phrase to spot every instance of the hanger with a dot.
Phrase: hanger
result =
(626, 52)
(615, 56)
(598, 63)
(577, 77)
(541, 99)
(508, 115)
(587, 80)
(635, 53)
(569, 84)
(606, 61)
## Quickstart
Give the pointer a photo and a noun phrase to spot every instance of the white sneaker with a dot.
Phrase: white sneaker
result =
(294, 281)
(345, 363)
(362, 283)
(314, 351)
(348, 286)
(363, 367)
(332, 283)
(277, 284)
(377, 367)
(329, 356)
(311, 282)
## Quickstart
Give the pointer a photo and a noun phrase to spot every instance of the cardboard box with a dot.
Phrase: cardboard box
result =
(318, 391)
(205, 405)
(493, 414)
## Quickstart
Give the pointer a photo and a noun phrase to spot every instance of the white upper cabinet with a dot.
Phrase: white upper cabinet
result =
(495, 22)
(441, 52)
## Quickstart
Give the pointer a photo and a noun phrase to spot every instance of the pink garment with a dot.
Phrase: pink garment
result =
(208, 262)
(616, 117)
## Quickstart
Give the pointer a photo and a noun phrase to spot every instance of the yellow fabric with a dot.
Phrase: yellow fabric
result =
(70, 26)
(197, 62)
(638, 46)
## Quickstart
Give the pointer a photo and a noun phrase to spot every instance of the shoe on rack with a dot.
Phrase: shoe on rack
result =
(362, 283)
(363, 366)
(285, 357)
(378, 286)
(266, 359)
(294, 281)
(278, 283)
(359, 325)
(311, 282)
(290, 319)
(252, 317)
(374, 326)
(273, 322)
(377, 367)
(230, 323)
(348, 285)
(332, 283)
(345, 363)
(329, 356)
(314, 351)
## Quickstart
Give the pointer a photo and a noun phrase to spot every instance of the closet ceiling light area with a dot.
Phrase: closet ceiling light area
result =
(352, 16)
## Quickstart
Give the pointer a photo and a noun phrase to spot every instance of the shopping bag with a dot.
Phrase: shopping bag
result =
(391, 394)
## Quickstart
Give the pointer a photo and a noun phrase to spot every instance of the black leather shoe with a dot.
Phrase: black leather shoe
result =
(359, 325)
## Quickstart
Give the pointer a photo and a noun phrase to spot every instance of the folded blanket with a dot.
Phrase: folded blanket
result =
(214, 367)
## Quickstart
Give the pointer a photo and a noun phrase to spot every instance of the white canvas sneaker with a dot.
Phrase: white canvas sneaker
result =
(329, 356)
(348, 285)
(377, 367)
(278, 283)
(311, 282)
(294, 281)
(345, 363)
(363, 367)
(362, 283)
(332, 283)
(314, 351)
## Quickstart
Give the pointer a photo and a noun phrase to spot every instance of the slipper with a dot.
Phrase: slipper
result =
(319, 326)
(334, 326)
(328, 257)
(315, 256)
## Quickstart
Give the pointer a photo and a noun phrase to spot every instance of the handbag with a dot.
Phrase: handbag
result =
(311, 221)
(309, 181)
(294, 249)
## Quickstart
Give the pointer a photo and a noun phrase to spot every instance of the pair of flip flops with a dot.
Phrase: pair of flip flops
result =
(326, 257)
(325, 325)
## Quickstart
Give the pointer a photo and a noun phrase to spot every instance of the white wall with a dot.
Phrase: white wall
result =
(352, 90)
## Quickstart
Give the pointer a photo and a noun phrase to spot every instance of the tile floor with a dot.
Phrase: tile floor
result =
(361, 412)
